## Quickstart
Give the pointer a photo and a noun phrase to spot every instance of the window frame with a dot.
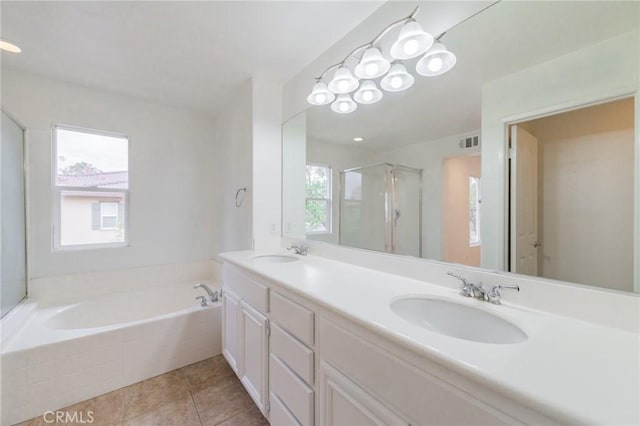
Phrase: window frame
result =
(478, 240)
(328, 200)
(115, 216)
(56, 192)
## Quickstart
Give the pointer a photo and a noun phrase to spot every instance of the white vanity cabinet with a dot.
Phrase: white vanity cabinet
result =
(342, 402)
(245, 325)
(305, 364)
(291, 359)
(253, 351)
(230, 315)
(363, 379)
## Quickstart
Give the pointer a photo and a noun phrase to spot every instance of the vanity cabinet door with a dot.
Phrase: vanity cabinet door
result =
(230, 317)
(253, 354)
(344, 403)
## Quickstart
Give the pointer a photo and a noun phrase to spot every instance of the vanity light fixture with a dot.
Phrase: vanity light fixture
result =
(368, 64)
(372, 64)
(9, 47)
(397, 80)
(344, 104)
(343, 81)
(438, 60)
(368, 93)
(320, 95)
(413, 41)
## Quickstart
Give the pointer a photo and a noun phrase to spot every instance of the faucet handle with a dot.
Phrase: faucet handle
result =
(493, 296)
(299, 249)
(203, 300)
(466, 288)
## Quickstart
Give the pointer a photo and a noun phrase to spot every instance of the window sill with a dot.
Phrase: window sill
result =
(88, 247)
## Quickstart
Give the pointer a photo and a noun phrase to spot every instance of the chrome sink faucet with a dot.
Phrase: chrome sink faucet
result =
(494, 294)
(299, 249)
(469, 289)
(213, 295)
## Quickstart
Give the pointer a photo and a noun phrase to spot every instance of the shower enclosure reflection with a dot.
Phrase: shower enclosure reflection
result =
(380, 208)
(13, 287)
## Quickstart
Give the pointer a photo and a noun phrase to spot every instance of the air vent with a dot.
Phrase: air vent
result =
(470, 142)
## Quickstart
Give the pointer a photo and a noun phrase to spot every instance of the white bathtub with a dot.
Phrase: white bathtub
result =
(69, 351)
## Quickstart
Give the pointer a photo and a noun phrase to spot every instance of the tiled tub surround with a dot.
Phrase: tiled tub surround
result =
(570, 370)
(120, 328)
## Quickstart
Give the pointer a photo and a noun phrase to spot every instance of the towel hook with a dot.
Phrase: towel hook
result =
(240, 196)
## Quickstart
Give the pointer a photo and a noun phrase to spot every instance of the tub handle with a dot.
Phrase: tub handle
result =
(203, 300)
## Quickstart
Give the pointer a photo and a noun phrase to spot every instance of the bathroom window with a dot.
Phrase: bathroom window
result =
(318, 199)
(109, 216)
(474, 211)
(91, 189)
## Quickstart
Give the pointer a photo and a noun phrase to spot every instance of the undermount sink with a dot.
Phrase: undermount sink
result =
(458, 320)
(274, 258)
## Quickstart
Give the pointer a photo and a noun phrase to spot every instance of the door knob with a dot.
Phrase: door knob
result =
(536, 244)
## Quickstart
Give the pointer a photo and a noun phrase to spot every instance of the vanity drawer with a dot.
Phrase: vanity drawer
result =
(280, 414)
(293, 392)
(293, 317)
(246, 286)
(297, 356)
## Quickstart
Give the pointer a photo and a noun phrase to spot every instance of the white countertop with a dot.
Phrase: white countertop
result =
(570, 370)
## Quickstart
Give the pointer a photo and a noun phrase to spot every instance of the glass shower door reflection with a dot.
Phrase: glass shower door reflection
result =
(13, 287)
(380, 209)
(407, 220)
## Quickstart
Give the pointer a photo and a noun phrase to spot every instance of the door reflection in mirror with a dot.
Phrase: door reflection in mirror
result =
(571, 198)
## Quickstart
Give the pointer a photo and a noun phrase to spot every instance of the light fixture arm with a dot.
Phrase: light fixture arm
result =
(373, 42)
(411, 17)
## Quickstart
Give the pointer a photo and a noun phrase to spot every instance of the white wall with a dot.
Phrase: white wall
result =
(602, 71)
(586, 195)
(233, 135)
(173, 162)
(294, 159)
(455, 210)
(267, 163)
(429, 156)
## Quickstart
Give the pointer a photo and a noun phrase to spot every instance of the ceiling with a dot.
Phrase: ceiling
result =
(507, 37)
(186, 54)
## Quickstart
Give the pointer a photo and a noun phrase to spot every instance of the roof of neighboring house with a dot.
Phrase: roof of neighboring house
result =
(116, 180)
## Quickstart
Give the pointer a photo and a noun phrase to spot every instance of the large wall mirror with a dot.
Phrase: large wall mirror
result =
(523, 157)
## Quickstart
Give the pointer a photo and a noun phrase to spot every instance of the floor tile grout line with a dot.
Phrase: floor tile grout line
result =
(195, 406)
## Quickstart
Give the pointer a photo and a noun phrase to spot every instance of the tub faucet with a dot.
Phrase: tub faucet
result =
(203, 301)
(213, 295)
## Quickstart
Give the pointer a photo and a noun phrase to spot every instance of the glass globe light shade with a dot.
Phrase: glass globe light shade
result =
(397, 80)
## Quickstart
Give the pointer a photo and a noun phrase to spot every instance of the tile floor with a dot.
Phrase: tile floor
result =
(201, 394)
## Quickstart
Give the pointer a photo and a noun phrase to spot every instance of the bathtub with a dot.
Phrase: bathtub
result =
(63, 352)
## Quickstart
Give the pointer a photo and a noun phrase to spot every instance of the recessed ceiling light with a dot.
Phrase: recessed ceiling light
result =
(358, 139)
(9, 47)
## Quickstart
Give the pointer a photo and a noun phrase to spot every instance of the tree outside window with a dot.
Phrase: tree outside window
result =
(318, 199)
